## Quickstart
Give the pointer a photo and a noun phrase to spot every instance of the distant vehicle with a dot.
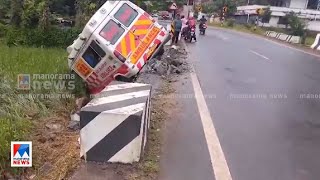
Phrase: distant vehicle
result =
(116, 43)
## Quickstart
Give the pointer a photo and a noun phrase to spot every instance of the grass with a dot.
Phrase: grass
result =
(259, 30)
(23, 118)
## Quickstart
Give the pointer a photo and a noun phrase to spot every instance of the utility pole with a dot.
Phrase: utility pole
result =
(249, 13)
(189, 9)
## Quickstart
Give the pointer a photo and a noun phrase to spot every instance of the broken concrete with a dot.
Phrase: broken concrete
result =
(173, 61)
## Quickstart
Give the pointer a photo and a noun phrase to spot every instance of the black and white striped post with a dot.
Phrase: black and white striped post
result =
(114, 125)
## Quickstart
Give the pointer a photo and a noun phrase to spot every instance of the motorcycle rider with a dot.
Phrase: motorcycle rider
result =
(203, 20)
(191, 24)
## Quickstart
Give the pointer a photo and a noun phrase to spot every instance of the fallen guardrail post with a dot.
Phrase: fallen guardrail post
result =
(316, 43)
(114, 124)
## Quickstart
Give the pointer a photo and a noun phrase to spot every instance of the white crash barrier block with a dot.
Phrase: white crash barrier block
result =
(316, 44)
(278, 35)
(283, 37)
(294, 39)
(114, 125)
(269, 32)
(273, 34)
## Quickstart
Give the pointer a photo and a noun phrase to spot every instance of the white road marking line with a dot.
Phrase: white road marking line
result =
(218, 160)
(258, 54)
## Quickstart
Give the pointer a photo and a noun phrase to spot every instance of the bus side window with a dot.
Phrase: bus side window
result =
(126, 14)
(111, 32)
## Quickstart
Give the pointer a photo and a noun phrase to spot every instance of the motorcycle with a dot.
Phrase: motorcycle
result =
(191, 34)
(202, 28)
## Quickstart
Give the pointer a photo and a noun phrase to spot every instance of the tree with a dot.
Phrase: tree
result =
(219, 4)
(207, 9)
(30, 14)
(84, 10)
(297, 25)
(44, 9)
(4, 8)
(16, 12)
(265, 16)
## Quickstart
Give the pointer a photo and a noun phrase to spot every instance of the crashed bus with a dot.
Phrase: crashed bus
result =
(116, 43)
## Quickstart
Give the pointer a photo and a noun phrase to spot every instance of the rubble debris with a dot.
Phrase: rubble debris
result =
(74, 125)
(173, 61)
(54, 127)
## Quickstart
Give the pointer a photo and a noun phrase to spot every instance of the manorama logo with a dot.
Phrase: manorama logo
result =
(21, 154)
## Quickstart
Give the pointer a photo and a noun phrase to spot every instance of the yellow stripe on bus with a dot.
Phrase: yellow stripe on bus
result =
(123, 47)
(132, 42)
(143, 22)
(141, 31)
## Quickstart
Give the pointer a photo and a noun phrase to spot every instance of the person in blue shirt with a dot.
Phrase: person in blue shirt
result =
(177, 23)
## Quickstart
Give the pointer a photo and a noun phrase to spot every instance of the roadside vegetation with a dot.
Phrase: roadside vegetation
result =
(32, 42)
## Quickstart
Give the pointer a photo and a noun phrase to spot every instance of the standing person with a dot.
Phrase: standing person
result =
(177, 24)
(256, 24)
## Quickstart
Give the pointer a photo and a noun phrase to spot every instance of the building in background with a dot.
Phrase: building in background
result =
(279, 9)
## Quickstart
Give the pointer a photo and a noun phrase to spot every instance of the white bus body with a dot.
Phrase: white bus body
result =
(117, 41)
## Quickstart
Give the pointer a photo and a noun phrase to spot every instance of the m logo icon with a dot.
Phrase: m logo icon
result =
(21, 154)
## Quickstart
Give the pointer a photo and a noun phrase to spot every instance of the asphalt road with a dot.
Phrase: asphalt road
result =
(267, 126)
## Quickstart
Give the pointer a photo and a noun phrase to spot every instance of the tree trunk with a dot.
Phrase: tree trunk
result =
(79, 14)
(45, 17)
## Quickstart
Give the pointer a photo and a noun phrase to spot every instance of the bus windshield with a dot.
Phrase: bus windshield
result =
(126, 15)
(112, 32)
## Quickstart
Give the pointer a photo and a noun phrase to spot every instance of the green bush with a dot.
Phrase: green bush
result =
(3, 30)
(38, 38)
(230, 22)
(248, 25)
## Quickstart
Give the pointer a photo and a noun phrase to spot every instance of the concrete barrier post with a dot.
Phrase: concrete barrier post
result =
(316, 44)
(283, 37)
(273, 34)
(114, 125)
(295, 39)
